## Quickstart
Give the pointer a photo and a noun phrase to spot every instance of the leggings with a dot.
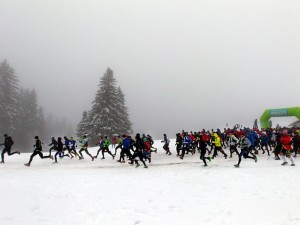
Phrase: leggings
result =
(105, 149)
(233, 149)
(265, 145)
(245, 153)
(219, 149)
(86, 151)
(202, 155)
(141, 157)
(118, 146)
(8, 152)
(52, 148)
(38, 152)
(125, 151)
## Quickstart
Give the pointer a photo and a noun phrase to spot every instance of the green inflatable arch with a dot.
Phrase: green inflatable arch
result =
(264, 119)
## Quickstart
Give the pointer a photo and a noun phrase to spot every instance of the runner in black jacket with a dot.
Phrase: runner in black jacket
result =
(8, 142)
(37, 151)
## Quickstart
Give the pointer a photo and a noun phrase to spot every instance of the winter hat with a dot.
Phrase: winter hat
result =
(5, 135)
(36, 137)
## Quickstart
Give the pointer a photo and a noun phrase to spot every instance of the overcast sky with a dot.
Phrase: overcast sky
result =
(182, 64)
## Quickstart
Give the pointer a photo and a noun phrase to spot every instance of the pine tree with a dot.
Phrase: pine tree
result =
(104, 112)
(108, 115)
(19, 113)
(29, 120)
(9, 99)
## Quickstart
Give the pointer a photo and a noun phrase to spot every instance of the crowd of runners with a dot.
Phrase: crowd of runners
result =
(245, 143)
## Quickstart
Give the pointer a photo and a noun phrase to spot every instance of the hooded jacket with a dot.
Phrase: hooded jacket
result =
(217, 140)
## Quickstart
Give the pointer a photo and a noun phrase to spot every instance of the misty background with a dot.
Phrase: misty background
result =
(181, 64)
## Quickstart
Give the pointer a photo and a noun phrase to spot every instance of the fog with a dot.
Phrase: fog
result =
(181, 64)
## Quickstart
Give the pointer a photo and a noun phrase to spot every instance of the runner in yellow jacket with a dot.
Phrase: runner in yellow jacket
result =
(218, 146)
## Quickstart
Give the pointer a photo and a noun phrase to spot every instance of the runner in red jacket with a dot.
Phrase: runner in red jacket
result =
(286, 142)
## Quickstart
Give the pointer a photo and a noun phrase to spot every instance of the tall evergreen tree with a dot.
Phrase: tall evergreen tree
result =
(108, 115)
(20, 115)
(29, 118)
(9, 99)
(104, 112)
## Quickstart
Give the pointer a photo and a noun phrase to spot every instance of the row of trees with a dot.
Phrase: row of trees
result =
(108, 115)
(20, 115)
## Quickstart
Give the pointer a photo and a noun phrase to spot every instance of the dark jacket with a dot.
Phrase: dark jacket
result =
(8, 142)
(54, 142)
(60, 145)
(202, 143)
(296, 140)
(38, 145)
(178, 140)
(139, 143)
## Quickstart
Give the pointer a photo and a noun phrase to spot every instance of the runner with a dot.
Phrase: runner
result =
(37, 151)
(166, 145)
(286, 142)
(245, 150)
(233, 141)
(8, 143)
(203, 145)
(105, 148)
(84, 146)
(53, 144)
(218, 146)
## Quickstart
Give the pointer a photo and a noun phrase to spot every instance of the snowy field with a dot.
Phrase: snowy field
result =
(170, 191)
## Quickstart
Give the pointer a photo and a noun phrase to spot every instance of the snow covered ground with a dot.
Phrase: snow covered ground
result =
(170, 191)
